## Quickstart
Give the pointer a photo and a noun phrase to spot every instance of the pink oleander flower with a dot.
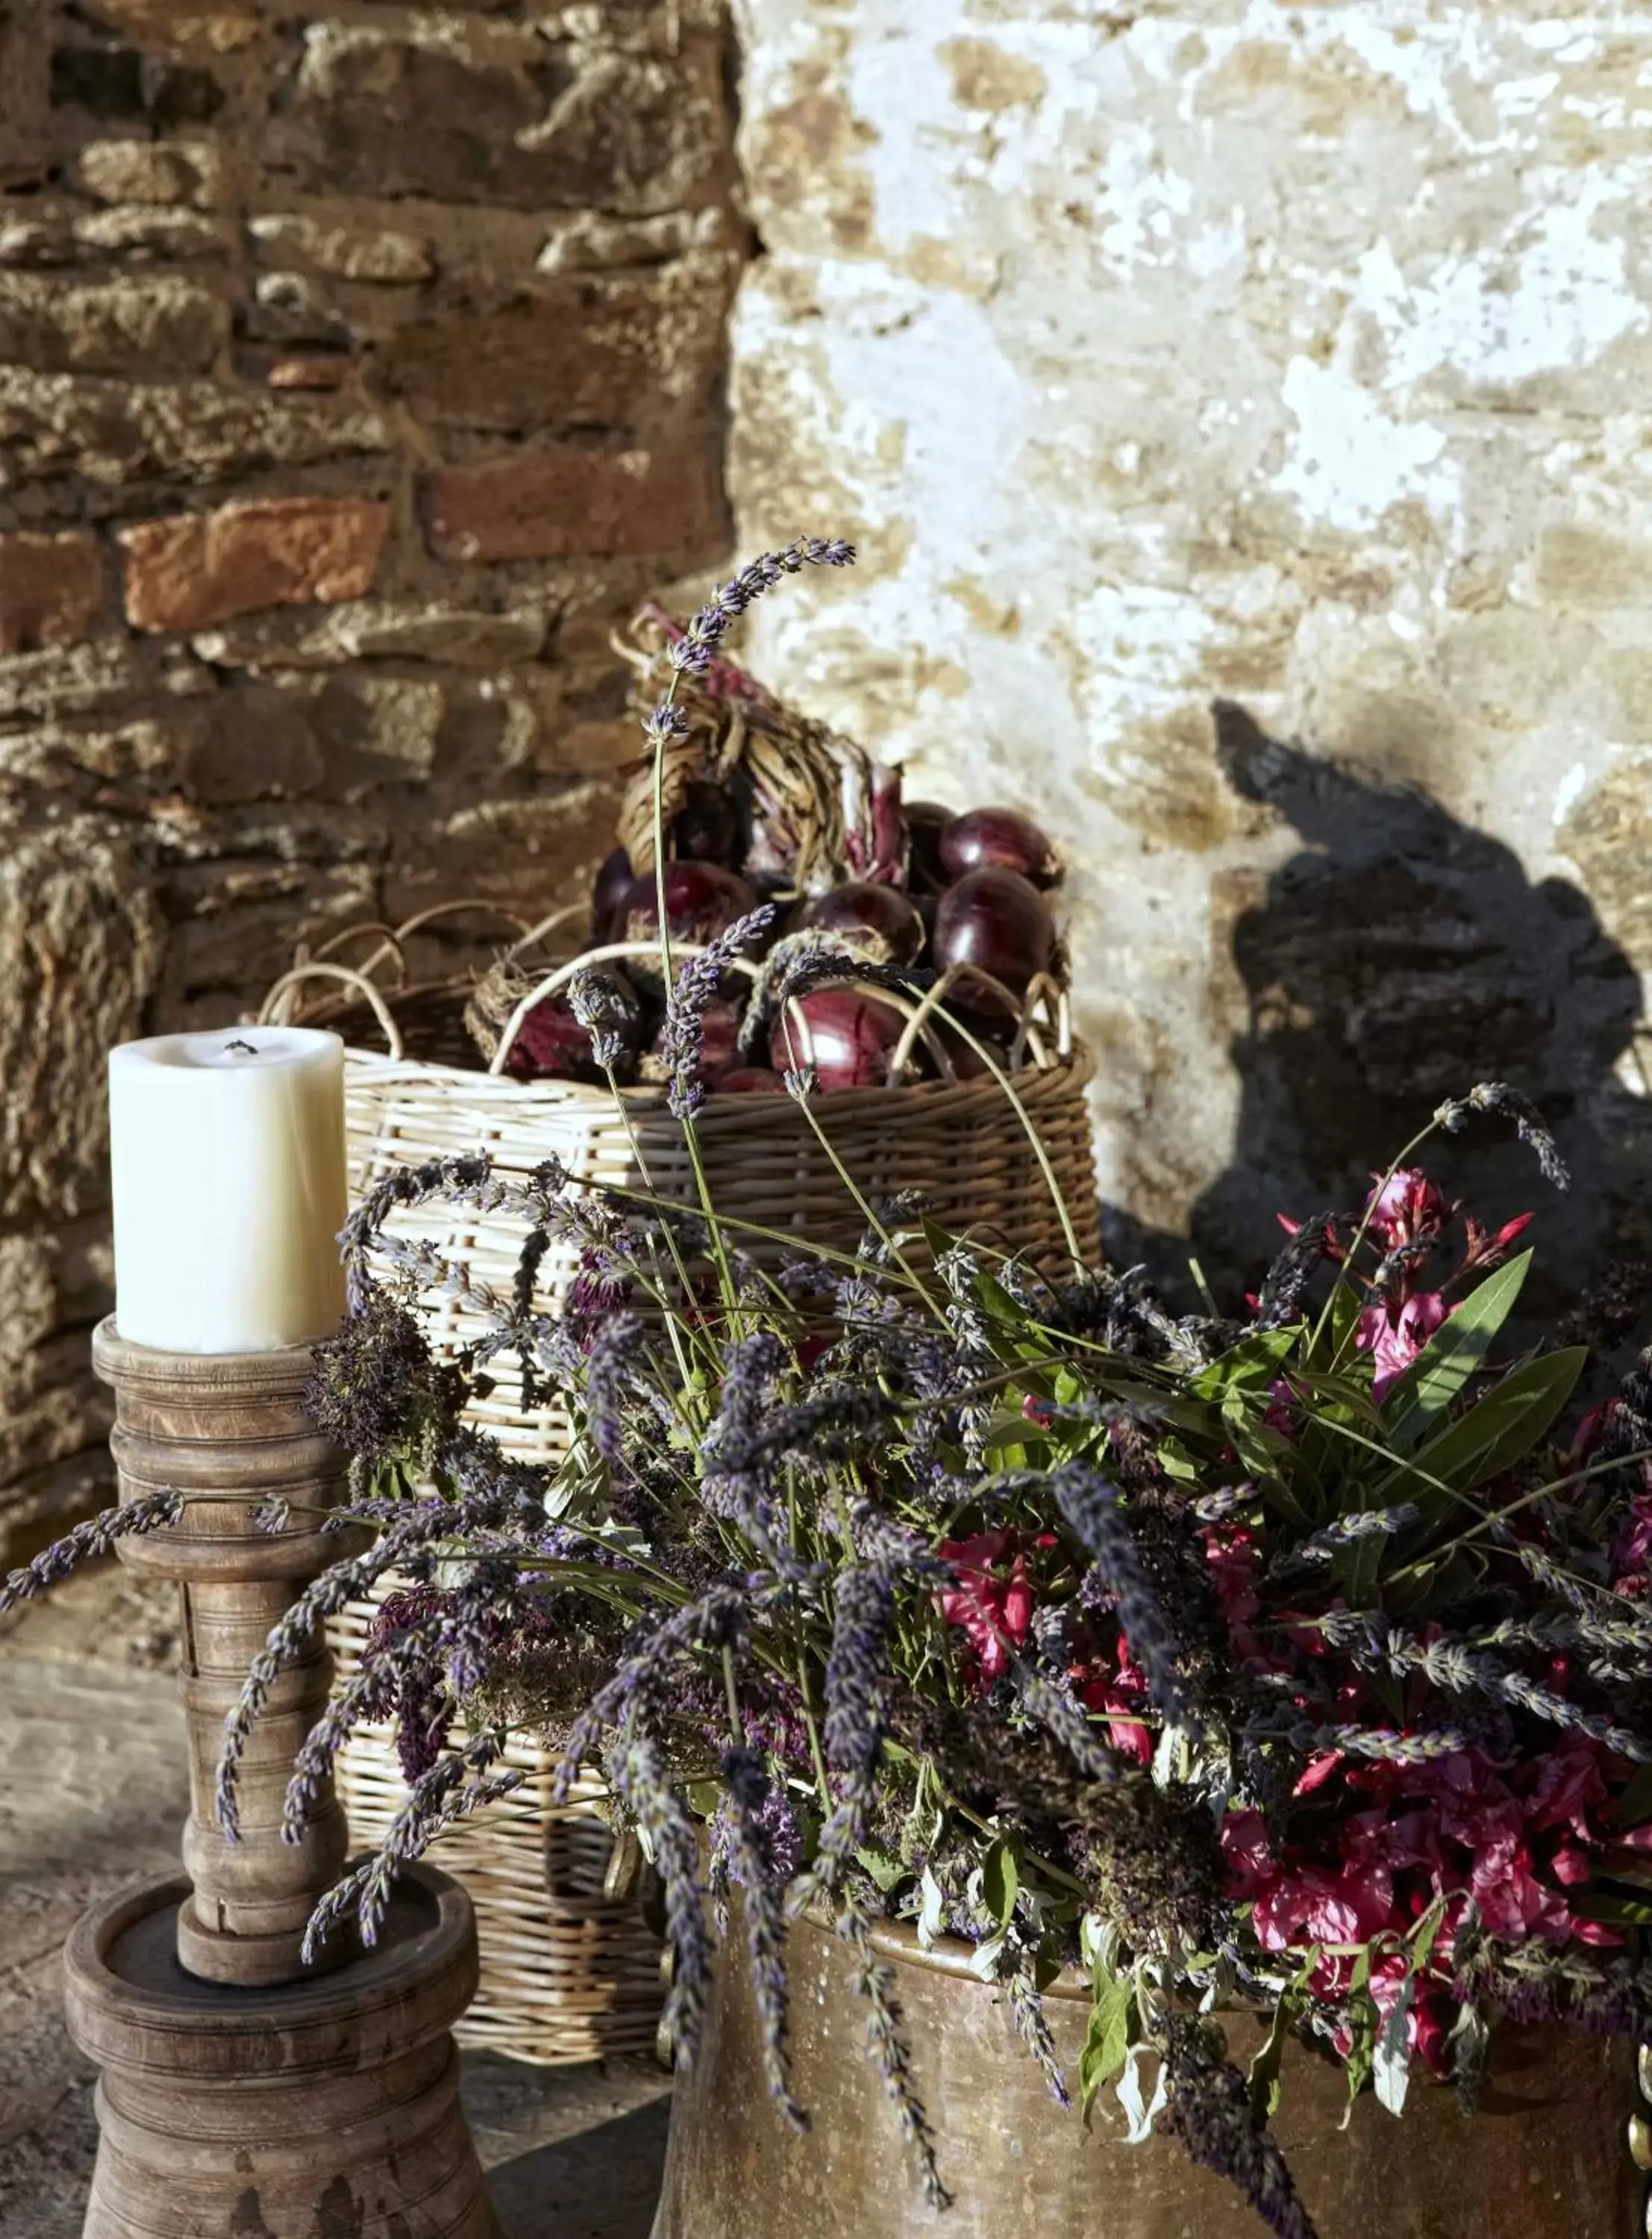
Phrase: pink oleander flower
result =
(1119, 1696)
(1394, 1331)
(992, 1602)
(1406, 1207)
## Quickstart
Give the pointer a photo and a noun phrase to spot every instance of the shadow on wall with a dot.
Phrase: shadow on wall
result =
(1396, 959)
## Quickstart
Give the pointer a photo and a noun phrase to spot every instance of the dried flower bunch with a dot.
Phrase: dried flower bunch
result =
(1295, 1662)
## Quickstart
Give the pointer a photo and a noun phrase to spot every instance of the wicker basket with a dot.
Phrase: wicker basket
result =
(567, 1973)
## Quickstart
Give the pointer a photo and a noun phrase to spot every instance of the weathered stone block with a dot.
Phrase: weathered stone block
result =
(622, 351)
(194, 570)
(467, 111)
(116, 431)
(1584, 567)
(51, 588)
(123, 84)
(572, 501)
(80, 951)
(144, 234)
(376, 629)
(162, 325)
(379, 254)
(150, 171)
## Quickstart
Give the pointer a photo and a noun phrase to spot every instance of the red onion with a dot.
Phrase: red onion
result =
(848, 1040)
(608, 890)
(999, 838)
(993, 919)
(925, 822)
(702, 899)
(863, 906)
(706, 829)
(751, 1080)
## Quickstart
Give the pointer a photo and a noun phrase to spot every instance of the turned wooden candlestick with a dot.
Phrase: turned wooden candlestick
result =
(229, 1431)
(239, 2094)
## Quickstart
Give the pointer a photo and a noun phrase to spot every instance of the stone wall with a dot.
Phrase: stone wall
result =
(356, 371)
(1296, 358)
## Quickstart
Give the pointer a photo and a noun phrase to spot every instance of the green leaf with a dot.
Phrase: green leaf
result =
(1256, 1360)
(1451, 1355)
(1614, 1911)
(1264, 2076)
(1634, 1807)
(1113, 2005)
(1364, 2019)
(1391, 2055)
(1001, 1881)
(885, 1871)
(1497, 1430)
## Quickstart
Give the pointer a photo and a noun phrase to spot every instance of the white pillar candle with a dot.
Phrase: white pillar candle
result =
(228, 1152)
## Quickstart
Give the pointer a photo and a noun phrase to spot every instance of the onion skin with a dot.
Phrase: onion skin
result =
(866, 907)
(751, 1080)
(1000, 839)
(996, 920)
(849, 1039)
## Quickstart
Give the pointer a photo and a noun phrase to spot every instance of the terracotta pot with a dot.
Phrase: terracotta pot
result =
(1545, 2157)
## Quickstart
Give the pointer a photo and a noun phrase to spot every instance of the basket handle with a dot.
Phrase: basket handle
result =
(417, 923)
(563, 973)
(532, 936)
(389, 944)
(276, 1003)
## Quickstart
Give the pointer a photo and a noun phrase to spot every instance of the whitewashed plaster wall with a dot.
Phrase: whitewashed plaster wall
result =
(1297, 357)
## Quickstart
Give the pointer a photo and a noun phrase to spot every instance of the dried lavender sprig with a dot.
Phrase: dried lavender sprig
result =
(714, 1618)
(1208, 2110)
(341, 1583)
(1446, 1664)
(874, 1981)
(1092, 1508)
(746, 1786)
(692, 653)
(1344, 1531)
(800, 961)
(611, 1363)
(1286, 1282)
(1032, 2023)
(99, 1535)
(682, 1039)
(605, 1005)
(435, 1804)
(856, 1687)
(429, 1270)
(1058, 1709)
(638, 1775)
(1498, 1097)
(402, 1188)
(371, 1694)
(1383, 1743)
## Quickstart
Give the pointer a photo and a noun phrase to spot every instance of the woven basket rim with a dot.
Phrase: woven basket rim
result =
(945, 1096)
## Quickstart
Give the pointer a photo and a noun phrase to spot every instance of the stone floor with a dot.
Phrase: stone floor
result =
(92, 1793)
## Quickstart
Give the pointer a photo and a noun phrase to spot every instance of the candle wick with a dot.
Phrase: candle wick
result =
(239, 1045)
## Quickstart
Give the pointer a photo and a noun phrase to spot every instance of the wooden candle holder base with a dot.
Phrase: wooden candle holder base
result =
(326, 2109)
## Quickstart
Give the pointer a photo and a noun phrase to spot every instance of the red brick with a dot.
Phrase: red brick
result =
(196, 569)
(50, 590)
(568, 503)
